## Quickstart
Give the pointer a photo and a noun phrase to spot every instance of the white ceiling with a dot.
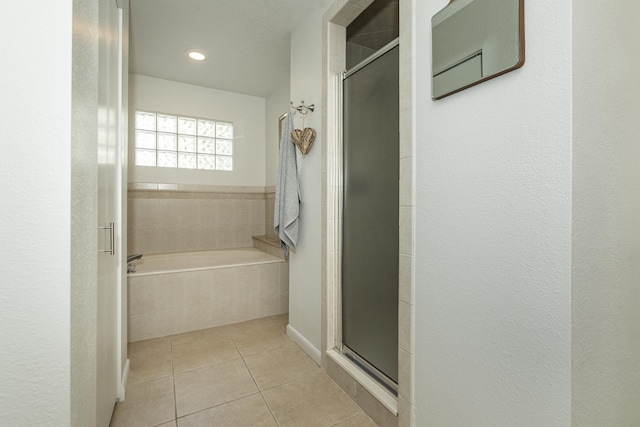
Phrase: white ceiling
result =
(247, 42)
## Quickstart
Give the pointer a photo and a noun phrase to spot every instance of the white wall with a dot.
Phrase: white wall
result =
(305, 262)
(493, 237)
(36, 202)
(276, 105)
(606, 214)
(246, 112)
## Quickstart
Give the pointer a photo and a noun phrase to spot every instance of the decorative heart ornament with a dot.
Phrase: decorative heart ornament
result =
(303, 139)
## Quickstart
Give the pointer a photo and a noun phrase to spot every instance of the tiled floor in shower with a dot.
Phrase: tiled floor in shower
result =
(248, 374)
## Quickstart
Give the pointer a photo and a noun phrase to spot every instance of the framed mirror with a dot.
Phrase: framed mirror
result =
(474, 41)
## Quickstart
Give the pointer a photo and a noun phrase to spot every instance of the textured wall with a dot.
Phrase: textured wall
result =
(493, 236)
(305, 262)
(35, 171)
(178, 221)
(84, 203)
(606, 214)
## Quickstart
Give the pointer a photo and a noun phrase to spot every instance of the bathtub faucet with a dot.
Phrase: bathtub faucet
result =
(131, 267)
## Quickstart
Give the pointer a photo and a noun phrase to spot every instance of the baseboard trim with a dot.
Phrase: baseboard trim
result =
(304, 344)
(124, 381)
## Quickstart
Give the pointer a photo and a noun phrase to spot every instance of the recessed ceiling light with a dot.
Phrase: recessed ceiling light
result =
(195, 54)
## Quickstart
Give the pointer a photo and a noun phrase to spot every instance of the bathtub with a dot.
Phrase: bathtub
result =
(187, 291)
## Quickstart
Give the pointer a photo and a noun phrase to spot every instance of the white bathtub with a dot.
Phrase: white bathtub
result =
(188, 291)
(200, 260)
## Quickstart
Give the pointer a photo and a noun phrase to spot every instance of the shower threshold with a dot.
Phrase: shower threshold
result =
(371, 370)
(364, 379)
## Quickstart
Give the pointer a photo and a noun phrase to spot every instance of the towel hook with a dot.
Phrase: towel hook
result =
(303, 109)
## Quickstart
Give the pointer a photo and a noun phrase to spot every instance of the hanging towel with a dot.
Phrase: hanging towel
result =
(287, 202)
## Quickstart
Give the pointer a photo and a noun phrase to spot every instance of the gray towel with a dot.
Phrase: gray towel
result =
(287, 203)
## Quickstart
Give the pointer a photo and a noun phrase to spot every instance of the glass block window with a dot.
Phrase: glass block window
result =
(168, 141)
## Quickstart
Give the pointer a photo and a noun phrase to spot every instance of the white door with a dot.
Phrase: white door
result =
(108, 126)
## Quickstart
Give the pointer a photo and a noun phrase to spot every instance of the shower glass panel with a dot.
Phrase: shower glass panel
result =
(370, 215)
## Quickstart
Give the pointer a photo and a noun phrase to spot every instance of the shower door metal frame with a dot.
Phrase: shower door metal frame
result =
(377, 54)
(361, 364)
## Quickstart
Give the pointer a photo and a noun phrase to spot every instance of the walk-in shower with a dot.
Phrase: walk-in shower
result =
(370, 215)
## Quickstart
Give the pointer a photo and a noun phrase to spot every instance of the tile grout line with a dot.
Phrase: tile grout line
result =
(207, 366)
(228, 332)
(173, 377)
(254, 381)
(217, 406)
(290, 381)
(352, 418)
(239, 398)
(258, 387)
(261, 395)
(278, 385)
(270, 410)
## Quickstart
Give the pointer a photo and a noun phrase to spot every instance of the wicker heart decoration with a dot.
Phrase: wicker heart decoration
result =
(303, 139)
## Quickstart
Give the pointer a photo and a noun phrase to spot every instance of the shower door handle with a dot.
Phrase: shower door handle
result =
(111, 228)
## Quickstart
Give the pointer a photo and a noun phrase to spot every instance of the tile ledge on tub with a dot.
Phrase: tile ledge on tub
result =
(201, 188)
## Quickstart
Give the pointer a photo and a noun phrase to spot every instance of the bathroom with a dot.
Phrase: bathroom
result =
(456, 178)
(518, 230)
(174, 210)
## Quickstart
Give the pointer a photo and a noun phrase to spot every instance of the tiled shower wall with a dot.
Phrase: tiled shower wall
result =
(176, 218)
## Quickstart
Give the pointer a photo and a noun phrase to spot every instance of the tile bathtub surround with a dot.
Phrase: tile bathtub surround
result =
(166, 304)
(210, 381)
(269, 244)
(270, 202)
(192, 218)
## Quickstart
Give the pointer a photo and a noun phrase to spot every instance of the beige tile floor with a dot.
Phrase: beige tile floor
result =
(244, 375)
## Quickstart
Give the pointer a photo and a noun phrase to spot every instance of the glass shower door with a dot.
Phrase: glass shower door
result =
(370, 215)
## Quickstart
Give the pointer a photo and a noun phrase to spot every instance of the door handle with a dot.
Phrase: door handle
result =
(111, 228)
